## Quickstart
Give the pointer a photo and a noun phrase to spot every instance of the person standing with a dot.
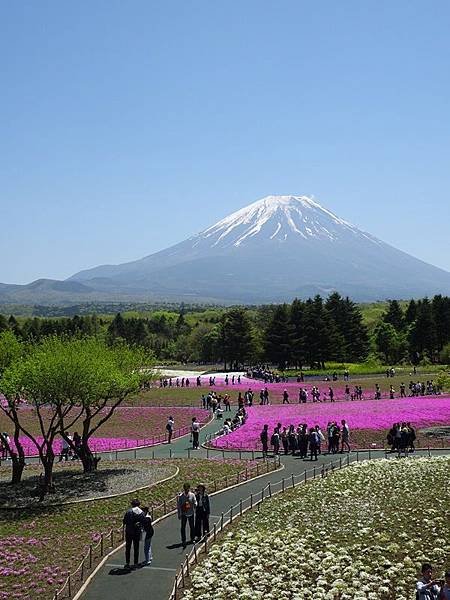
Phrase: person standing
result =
(285, 397)
(195, 431)
(313, 443)
(149, 531)
(345, 436)
(427, 588)
(186, 505)
(264, 437)
(169, 428)
(275, 441)
(202, 512)
(132, 522)
(445, 589)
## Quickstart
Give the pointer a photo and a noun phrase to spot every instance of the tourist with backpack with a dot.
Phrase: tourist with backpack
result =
(169, 428)
(186, 505)
(313, 443)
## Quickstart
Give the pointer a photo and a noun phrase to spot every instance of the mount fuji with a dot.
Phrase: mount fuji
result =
(270, 251)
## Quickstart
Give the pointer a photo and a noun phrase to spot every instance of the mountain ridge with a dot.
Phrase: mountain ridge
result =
(272, 250)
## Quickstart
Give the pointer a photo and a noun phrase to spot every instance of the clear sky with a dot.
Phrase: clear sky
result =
(126, 127)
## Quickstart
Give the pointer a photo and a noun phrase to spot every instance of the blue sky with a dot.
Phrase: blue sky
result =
(127, 127)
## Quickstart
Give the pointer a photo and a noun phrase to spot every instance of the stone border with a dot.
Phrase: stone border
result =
(105, 558)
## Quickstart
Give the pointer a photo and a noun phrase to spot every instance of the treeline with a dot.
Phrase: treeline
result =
(309, 332)
(419, 333)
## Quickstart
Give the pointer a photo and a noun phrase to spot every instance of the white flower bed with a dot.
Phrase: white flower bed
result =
(362, 532)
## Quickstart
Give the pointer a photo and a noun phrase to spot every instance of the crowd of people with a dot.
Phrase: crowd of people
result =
(303, 440)
(401, 438)
(193, 508)
(429, 587)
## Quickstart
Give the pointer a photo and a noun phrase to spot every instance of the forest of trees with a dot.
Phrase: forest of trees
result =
(310, 332)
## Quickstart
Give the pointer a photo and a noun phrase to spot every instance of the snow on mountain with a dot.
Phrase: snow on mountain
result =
(272, 250)
(279, 217)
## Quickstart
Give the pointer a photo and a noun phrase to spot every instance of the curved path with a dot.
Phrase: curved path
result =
(112, 582)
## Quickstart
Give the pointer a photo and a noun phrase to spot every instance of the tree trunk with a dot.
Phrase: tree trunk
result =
(18, 459)
(87, 458)
(46, 483)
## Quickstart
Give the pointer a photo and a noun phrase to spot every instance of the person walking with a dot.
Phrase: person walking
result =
(345, 436)
(195, 433)
(202, 512)
(186, 505)
(169, 428)
(149, 531)
(132, 522)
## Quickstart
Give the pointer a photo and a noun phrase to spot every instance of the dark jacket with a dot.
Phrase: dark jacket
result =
(133, 520)
(206, 506)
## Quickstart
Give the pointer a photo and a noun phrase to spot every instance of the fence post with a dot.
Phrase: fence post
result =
(257, 469)
(293, 480)
(231, 514)
(305, 476)
(251, 501)
(253, 455)
(112, 538)
(267, 463)
(187, 565)
(101, 544)
(240, 506)
(221, 522)
(262, 494)
(240, 455)
(165, 507)
(340, 462)
(270, 490)
(182, 575)
(314, 472)
(69, 586)
(90, 556)
(226, 481)
(282, 485)
(348, 458)
(223, 454)
(82, 570)
(135, 454)
(170, 452)
(215, 535)
(116, 455)
(153, 454)
(357, 456)
(206, 545)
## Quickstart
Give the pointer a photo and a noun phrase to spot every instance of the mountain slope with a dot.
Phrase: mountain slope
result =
(272, 250)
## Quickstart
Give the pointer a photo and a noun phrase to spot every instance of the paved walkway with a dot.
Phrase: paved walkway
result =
(156, 581)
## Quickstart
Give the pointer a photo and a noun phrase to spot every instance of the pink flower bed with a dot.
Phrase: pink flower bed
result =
(368, 414)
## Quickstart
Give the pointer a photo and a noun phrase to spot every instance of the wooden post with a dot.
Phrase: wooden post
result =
(251, 501)
(262, 494)
(231, 514)
(207, 452)
(340, 462)
(90, 556)
(153, 455)
(240, 506)
(270, 490)
(282, 485)
(135, 454)
(314, 472)
(101, 544)
(221, 522)
(215, 531)
(112, 538)
(357, 456)
(170, 452)
(206, 544)
(226, 481)
(257, 469)
(253, 455)
(240, 455)
(195, 551)
(187, 565)
(69, 586)
(246, 473)
(305, 476)
(293, 480)
(182, 575)
(348, 458)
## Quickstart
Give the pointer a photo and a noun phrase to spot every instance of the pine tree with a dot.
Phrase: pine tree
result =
(394, 315)
(422, 335)
(236, 336)
(296, 317)
(441, 316)
(411, 312)
(278, 338)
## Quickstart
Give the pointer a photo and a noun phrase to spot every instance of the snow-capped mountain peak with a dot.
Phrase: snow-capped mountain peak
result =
(278, 218)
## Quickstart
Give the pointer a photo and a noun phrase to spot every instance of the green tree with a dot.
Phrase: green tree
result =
(297, 333)
(440, 306)
(278, 338)
(394, 315)
(411, 312)
(387, 341)
(80, 381)
(236, 337)
(422, 334)
(11, 350)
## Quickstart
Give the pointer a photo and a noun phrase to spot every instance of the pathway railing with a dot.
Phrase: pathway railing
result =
(252, 502)
(108, 541)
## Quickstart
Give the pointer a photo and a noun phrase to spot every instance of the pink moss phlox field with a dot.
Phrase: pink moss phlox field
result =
(368, 414)
(156, 417)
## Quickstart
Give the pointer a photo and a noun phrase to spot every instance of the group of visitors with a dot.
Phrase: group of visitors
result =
(70, 447)
(5, 446)
(264, 373)
(401, 438)
(193, 508)
(230, 424)
(303, 439)
(431, 588)
(137, 522)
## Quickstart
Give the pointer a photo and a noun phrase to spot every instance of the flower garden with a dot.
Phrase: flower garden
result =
(39, 546)
(368, 420)
(360, 533)
(127, 428)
